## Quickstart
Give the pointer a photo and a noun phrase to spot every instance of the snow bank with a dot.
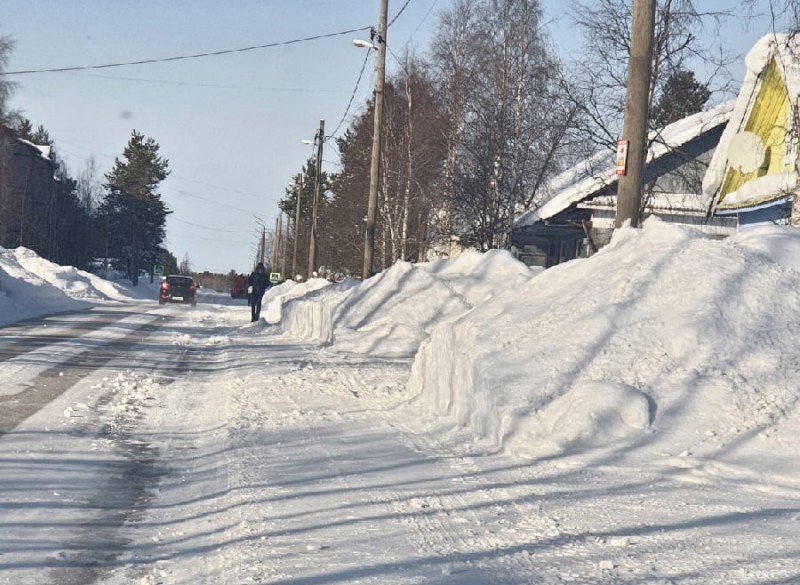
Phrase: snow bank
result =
(24, 294)
(663, 337)
(31, 286)
(75, 283)
(303, 310)
(391, 314)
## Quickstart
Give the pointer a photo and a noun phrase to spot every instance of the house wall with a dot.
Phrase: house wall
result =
(603, 223)
(681, 170)
(778, 212)
(770, 118)
(538, 245)
(27, 187)
(687, 178)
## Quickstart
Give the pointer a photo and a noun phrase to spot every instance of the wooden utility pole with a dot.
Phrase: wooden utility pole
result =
(277, 242)
(298, 191)
(312, 244)
(372, 206)
(637, 105)
(262, 246)
(284, 246)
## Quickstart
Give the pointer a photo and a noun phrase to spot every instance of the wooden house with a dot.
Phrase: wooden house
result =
(27, 188)
(578, 216)
(752, 177)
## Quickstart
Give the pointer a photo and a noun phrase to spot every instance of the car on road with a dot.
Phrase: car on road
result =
(239, 286)
(177, 288)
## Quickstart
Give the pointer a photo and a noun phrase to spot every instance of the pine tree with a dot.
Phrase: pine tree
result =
(304, 186)
(682, 96)
(40, 136)
(6, 86)
(24, 129)
(135, 214)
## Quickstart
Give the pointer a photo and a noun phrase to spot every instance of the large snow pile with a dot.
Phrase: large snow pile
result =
(24, 293)
(664, 342)
(391, 314)
(31, 286)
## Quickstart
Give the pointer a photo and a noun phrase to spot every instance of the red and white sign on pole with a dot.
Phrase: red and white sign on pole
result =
(621, 160)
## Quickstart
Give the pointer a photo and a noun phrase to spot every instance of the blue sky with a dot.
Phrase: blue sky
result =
(231, 125)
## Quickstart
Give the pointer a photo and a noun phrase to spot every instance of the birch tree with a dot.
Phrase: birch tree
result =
(507, 115)
(599, 80)
(411, 157)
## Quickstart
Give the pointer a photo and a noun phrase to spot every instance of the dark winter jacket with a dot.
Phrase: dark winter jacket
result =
(259, 281)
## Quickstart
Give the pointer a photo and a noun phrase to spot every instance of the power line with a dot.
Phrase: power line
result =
(210, 85)
(184, 57)
(60, 142)
(424, 18)
(352, 97)
(361, 74)
(226, 205)
(396, 16)
(205, 227)
(225, 241)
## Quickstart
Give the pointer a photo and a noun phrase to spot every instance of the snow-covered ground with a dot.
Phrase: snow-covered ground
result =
(629, 418)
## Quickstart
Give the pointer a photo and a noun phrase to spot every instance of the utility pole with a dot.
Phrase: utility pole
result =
(298, 191)
(284, 246)
(276, 242)
(637, 105)
(262, 245)
(312, 244)
(372, 206)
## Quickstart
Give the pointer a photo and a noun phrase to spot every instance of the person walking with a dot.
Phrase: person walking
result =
(257, 284)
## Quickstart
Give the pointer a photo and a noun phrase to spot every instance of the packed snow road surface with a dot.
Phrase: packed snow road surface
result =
(187, 449)
(188, 446)
(43, 357)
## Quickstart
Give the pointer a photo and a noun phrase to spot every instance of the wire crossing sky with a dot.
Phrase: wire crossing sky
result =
(232, 121)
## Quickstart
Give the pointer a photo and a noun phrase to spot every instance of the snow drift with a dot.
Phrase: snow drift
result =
(391, 314)
(662, 335)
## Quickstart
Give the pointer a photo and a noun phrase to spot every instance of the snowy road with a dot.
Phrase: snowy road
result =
(149, 446)
(194, 448)
(43, 357)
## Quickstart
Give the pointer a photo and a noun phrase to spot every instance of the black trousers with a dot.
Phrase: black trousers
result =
(255, 306)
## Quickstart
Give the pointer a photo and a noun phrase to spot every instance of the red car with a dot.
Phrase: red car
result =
(177, 289)
(239, 286)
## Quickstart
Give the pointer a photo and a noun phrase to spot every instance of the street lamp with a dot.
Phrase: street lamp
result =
(364, 44)
(372, 205)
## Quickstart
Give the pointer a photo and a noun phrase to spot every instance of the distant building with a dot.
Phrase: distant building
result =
(27, 192)
(578, 218)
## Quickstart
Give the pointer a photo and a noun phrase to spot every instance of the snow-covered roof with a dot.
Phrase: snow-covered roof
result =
(786, 49)
(598, 171)
(44, 149)
(688, 203)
